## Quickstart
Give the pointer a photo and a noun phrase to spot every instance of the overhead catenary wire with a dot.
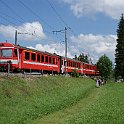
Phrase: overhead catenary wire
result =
(25, 32)
(59, 16)
(20, 19)
(34, 13)
(7, 20)
(55, 11)
(11, 17)
(3, 2)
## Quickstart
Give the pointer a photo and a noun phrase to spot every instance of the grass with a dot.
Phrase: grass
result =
(24, 100)
(107, 109)
(58, 100)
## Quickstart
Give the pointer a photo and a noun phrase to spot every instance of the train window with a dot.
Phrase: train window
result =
(33, 56)
(56, 61)
(46, 59)
(0, 53)
(74, 64)
(42, 58)
(27, 55)
(70, 64)
(62, 62)
(77, 65)
(50, 60)
(67, 63)
(53, 61)
(15, 52)
(38, 57)
(6, 53)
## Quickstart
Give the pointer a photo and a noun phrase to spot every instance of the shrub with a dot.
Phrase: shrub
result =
(74, 73)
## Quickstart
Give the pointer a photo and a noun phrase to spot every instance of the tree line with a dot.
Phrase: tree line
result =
(82, 58)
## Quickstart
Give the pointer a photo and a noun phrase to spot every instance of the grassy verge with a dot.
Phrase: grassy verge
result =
(102, 105)
(107, 109)
(25, 100)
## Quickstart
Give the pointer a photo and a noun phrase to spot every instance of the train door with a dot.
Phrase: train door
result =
(20, 58)
(60, 64)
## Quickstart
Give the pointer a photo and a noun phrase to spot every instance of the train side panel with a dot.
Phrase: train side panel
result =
(39, 61)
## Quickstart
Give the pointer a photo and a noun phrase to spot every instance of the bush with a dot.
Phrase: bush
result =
(74, 73)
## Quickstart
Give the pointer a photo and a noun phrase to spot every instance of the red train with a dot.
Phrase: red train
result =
(18, 58)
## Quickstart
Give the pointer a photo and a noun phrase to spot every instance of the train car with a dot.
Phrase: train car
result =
(68, 65)
(26, 59)
(89, 69)
(18, 58)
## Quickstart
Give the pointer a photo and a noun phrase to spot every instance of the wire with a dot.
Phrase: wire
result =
(11, 9)
(28, 8)
(21, 19)
(58, 15)
(34, 13)
(13, 18)
(7, 20)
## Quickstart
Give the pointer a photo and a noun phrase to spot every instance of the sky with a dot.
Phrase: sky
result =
(91, 25)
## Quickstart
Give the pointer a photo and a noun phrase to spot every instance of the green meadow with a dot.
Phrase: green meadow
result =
(60, 100)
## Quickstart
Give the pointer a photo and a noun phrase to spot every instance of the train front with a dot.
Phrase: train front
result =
(8, 57)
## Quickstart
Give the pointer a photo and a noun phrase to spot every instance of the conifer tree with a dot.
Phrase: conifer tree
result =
(119, 52)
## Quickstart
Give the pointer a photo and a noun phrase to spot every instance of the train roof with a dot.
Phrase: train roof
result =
(7, 44)
(77, 61)
(34, 50)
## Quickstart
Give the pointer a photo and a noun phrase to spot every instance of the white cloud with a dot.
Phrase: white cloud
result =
(96, 45)
(93, 45)
(34, 31)
(112, 8)
(53, 48)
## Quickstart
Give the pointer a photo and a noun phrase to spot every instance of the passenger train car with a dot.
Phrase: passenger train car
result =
(18, 58)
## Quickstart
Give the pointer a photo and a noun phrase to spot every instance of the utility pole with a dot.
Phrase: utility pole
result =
(16, 35)
(65, 50)
(65, 32)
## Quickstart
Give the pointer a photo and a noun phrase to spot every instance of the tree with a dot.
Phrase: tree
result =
(105, 67)
(119, 51)
(82, 58)
(75, 57)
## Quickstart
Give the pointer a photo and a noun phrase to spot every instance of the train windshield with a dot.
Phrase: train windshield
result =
(6, 53)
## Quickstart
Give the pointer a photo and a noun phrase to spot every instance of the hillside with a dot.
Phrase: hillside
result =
(59, 100)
